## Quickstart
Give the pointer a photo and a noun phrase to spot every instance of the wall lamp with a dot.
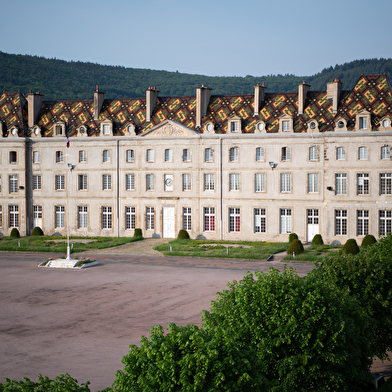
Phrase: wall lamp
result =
(273, 165)
(329, 188)
(71, 166)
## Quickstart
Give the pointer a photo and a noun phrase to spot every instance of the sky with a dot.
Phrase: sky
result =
(205, 37)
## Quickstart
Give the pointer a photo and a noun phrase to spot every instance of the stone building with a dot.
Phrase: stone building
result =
(240, 167)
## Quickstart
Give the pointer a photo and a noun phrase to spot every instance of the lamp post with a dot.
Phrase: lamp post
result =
(70, 167)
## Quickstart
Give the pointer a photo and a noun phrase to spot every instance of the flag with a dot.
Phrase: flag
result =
(67, 133)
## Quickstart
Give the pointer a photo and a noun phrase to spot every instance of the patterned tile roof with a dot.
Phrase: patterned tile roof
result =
(13, 110)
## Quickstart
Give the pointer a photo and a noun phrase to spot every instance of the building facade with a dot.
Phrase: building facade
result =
(244, 167)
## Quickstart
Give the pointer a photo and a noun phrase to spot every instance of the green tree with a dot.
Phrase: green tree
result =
(189, 359)
(309, 336)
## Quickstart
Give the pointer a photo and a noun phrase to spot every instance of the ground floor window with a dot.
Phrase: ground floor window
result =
(13, 213)
(186, 218)
(384, 222)
(130, 218)
(312, 216)
(82, 217)
(106, 217)
(285, 220)
(1, 216)
(59, 216)
(150, 218)
(362, 222)
(259, 220)
(340, 222)
(234, 220)
(209, 218)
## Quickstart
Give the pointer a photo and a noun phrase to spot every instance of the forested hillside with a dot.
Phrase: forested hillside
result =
(58, 79)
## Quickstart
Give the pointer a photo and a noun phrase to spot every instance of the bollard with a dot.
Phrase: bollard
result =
(171, 249)
(294, 254)
(227, 250)
(72, 246)
(19, 243)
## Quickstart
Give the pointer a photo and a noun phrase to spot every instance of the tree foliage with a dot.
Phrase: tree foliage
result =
(309, 336)
(295, 247)
(350, 247)
(189, 359)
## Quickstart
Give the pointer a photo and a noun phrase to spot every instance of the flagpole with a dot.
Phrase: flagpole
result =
(66, 193)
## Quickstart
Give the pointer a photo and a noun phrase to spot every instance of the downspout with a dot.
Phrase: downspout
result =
(221, 191)
(118, 188)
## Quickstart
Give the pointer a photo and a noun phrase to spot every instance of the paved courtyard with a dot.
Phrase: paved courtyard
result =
(82, 321)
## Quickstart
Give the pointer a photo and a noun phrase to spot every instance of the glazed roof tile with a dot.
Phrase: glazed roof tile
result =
(13, 110)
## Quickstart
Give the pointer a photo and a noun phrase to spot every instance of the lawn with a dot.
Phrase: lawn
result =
(59, 244)
(315, 253)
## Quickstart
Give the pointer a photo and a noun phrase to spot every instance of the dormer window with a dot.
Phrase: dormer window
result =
(234, 124)
(82, 131)
(209, 127)
(313, 126)
(59, 129)
(36, 132)
(385, 124)
(130, 129)
(106, 128)
(362, 122)
(14, 131)
(286, 123)
(340, 125)
(285, 126)
(260, 127)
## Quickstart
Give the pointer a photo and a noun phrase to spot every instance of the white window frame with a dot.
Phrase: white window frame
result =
(362, 222)
(106, 182)
(13, 215)
(259, 220)
(340, 183)
(168, 155)
(106, 217)
(209, 219)
(234, 220)
(260, 182)
(340, 153)
(260, 154)
(106, 156)
(150, 182)
(82, 217)
(130, 217)
(13, 181)
(385, 184)
(233, 154)
(1, 215)
(285, 182)
(187, 218)
(208, 154)
(313, 182)
(130, 155)
(59, 182)
(363, 153)
(59, 156)
(314, 153)
(82, 156)
(130, 182)
(150, 155)
(82, 182)
(150, 218)
(186, 155)
(341, 222)
(36, 156)
(385, 152)
(384, 222)
(285, 154)
(363, 122)
(59, 216)
(285, 220)
(186, 182)
(234, 182)
(363, 184)
(37, 182)
(106, 129)
(285, 126)
(209, 181)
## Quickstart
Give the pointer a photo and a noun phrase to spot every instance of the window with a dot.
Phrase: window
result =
(285, 220)
(1, 216)
(13, 156)
(186, 182)
(234, 220)
(37, 183)
(0, 184)
(362, 153)
(313, 182)
(36, 156)
(106, 156)
(385, 152)
(130, 156)
(106, 182)
(82, 217)
(59, 156)
(385, 183)
(106, 129)
(58, 130)
(106, 217)
(168, 155)
(150, 214)
(208, 155)
(362, 183)
(82, 156)
(82, 182)
(209, 218)
(186, 155)
(312, 216)
(340, 222)
(59, 182)
(259, 154)
(362, 122)
(233, 126)
(13, 214)
(259, 220)
(313, 153)
(259, 182)
(150, 182)
(13, 183)
(186, 218)
(59, 216)
(384, 222)
(286, 126)
(130, 218)
(285, 154)
(130, 182)
(285, 182)
(209, 182)
(233, 154)
(340, 184)
(362, 222)
(150, 155)
(340, 153)
(234, 182)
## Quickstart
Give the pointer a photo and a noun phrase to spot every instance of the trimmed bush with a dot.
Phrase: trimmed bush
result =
(183, 235)
(138, 233)
(317, 240)
(351, 247)
(15, 233)
(369, 239)
(292, 237)
(295, 247)
(37, 231)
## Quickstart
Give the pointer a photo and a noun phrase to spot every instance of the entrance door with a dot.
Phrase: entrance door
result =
(37, 216)
(168, 222)
(313, 223)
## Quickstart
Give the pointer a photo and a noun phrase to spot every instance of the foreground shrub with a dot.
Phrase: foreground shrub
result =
(292, 237)
(183, 235)
(138, 233)
(15, 233)
(295, 247)
(368, 240)
(368, 277)
(189, 359)
(350, 247)
(317, 240)
(309, 336)
(37, 231)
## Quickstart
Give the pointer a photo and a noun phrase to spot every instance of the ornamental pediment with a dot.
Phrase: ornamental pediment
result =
(169, 128)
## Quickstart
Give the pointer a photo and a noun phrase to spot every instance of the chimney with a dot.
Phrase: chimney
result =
(203, 95)
(302, 91)
(258, 98)
(98, 101)
(34, 104)
(151, 101)
(334, 89)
